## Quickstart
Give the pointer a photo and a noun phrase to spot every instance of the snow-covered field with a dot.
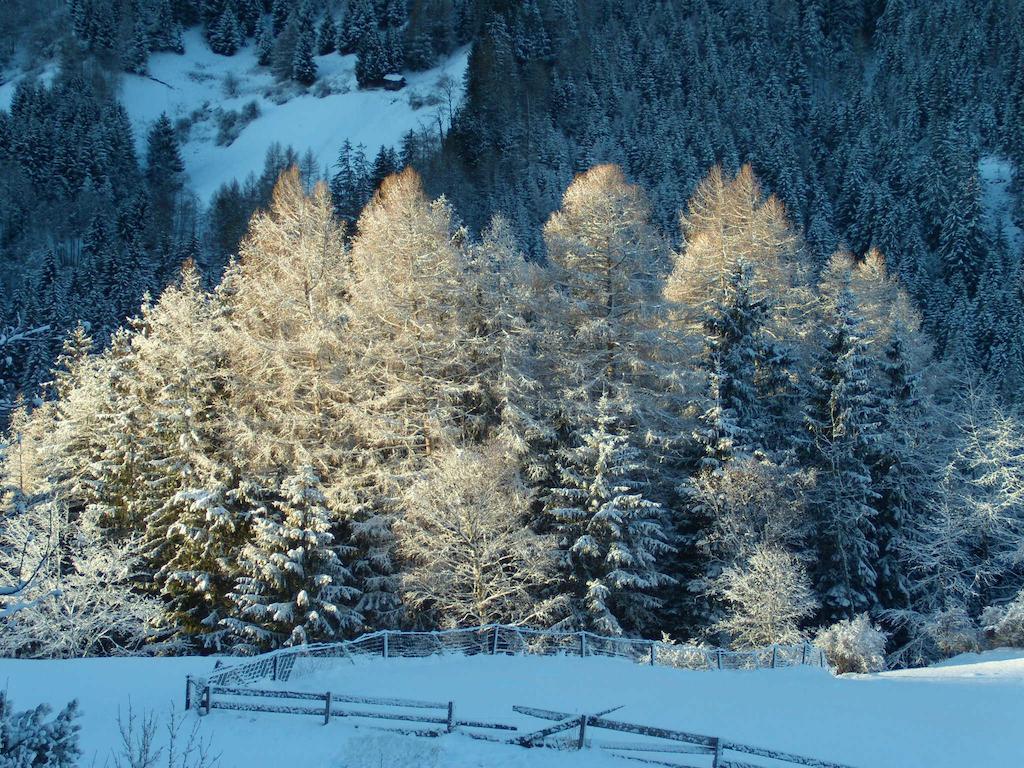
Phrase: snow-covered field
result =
(965, 712)
(196, 85)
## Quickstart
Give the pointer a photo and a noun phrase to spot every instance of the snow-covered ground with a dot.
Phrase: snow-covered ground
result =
(965, 712)
(199, 84)
(996, 173)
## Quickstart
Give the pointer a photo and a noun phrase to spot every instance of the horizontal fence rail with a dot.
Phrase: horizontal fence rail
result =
(302, 661)
(664, 746)
(206, 697)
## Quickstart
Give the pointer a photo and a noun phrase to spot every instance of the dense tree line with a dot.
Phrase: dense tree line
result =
(86, 226)
(408, 426)
(866, 119)
(386, 35)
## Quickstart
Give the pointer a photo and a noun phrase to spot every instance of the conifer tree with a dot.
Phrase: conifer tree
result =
(605, 328)
(372, 61)
(303, 66)
(265, 43)
(295, 588)
(136, 55)
(358, 22)
(611, 535)
(732, 424)
(226, 36)
(327, 35)
(842, 422)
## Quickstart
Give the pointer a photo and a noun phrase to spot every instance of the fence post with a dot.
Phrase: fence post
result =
(205, 707)
(583, 732)
(494, 645)
(821, 658)
(327, 708)
(775, 653)
(451, 716)
(716, 744)
(803, 656)
(583, 644)
(273, 668)
(386, 635)
(718, 653)
(654, 650)
(188, 692)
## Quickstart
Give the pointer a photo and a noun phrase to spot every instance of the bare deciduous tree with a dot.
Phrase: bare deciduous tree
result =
(471, 560)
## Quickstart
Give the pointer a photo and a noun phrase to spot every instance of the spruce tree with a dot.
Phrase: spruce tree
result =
(898, 471)
(612, 537)
(136, 55)
(265, 43)
(295, 589)
(842, 422)
(327, 35)
(303, 66)
(226, 36)
(371, 60)
(358, 22)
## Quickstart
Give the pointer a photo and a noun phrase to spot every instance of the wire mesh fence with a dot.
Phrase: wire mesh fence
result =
(307, 660)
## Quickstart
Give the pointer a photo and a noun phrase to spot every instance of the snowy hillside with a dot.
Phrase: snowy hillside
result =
(200, 87)
(965, 712)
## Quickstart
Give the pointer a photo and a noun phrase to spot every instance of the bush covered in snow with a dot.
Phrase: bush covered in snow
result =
(1004, 625)
(28, 739)
(853, 645)
(954, 631)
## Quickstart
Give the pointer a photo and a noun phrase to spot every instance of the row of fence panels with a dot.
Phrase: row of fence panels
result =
(498, 639)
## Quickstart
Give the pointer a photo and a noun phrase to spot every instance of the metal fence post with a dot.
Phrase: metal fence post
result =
(273, 668)
(583, 644)
(494, 645)
(803, 656)
(654, 650)
(386, 635)
(205, 707)
(451, 716)
(718, 653)
(775, 653)
(327, 708)
(188, 692)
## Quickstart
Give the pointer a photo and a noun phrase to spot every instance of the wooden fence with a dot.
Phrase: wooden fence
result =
(205, 697)
(307, 660)
(660, 746)
(654, 745)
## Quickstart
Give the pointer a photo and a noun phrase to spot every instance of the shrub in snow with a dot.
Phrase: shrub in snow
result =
(232, 85)
(1004, 625)
(694, 654)
(953, 631)
(853, 645)
(767, 599)
(28, 740)
(140, 743)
